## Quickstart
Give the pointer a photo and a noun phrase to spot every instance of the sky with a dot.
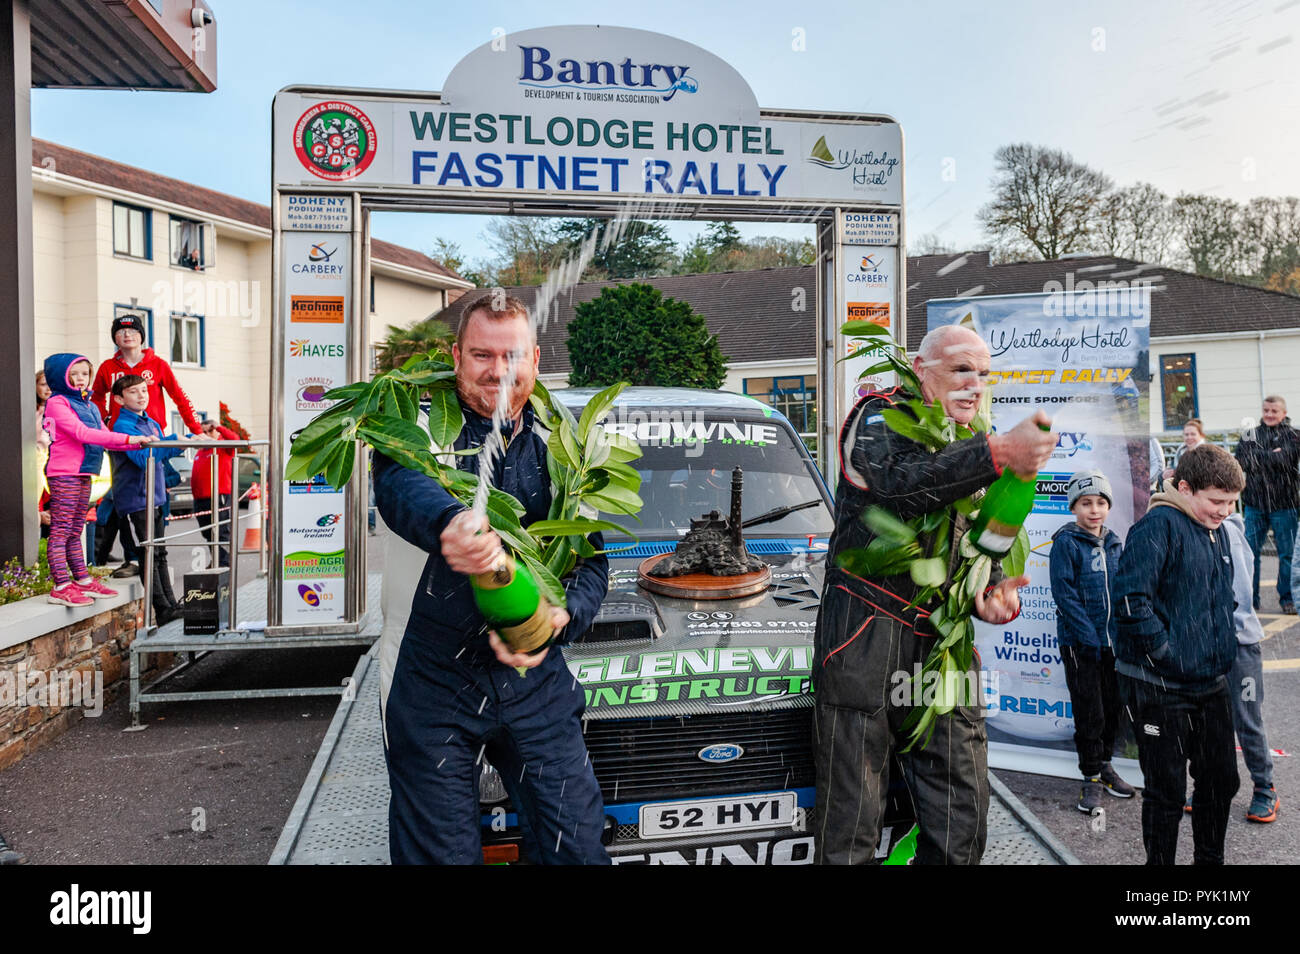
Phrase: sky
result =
(1189, 95)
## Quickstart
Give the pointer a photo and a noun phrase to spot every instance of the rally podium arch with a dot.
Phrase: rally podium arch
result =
(561, 121)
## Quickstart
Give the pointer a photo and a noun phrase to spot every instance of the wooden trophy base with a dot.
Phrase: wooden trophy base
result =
(701, 586)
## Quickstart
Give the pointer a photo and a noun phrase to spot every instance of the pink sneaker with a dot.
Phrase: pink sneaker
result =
(97, 590)
(69, 595)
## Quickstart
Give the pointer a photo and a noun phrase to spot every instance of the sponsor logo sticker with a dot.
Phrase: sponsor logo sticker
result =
(306, 348)
(335, 141)
(876, 312)
(311, 394)
(318, 309)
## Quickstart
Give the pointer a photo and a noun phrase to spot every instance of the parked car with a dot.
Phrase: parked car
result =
(699, 712)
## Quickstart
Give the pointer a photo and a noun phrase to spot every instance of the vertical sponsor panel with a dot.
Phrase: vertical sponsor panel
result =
(868, 291)
(317, 292)
(1082, 358)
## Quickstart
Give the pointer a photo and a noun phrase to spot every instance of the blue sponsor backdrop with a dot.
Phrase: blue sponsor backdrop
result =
(1083, 358)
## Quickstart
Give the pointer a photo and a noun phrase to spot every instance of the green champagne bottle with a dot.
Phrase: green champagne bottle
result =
(1003, 511)
(513, 604)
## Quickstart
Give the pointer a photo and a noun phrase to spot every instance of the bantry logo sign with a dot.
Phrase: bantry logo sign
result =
(335, 141)
(625, 81)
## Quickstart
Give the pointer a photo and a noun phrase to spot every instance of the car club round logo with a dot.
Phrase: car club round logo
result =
(335, 141)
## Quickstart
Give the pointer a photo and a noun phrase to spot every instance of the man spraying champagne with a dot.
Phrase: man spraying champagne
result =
(869, 631)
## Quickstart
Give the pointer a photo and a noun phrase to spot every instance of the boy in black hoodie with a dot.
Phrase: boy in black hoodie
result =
(1176, 643)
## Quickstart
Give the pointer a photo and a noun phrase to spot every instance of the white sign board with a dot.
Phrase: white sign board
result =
(866, 228)
(868, 289)
(315, 213)
(582, 112)
(314, 309)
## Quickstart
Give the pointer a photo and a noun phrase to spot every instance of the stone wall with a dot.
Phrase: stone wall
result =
(50, 682)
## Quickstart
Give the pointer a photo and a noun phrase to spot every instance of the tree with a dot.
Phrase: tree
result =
(1210, 229)
(527, 249)
(1273, 229)
(1042, 201)
(401, 343)
(632, 333)
(931, 243)
(722, 237)
(1136, 222)
(624, 248)
(449, 255)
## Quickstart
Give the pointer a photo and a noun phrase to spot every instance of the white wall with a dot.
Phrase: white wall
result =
(1228, 382)
(78, 280)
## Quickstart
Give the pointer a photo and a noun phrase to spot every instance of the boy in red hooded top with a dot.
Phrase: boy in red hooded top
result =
(133, 358)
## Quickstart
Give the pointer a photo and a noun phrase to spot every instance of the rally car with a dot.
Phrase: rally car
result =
(699, 712)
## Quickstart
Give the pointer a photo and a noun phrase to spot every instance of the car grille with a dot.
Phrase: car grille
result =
(644, 759)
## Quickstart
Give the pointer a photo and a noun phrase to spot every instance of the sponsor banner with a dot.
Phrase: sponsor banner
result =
(310, 565)
(583, 111)
(867, 228)
(315, 213)
(314, 521)
(316, 309)
(1083, 360)
(321, 262)
(869, 290)
(712, 676)
(317, 294)
(315, 600)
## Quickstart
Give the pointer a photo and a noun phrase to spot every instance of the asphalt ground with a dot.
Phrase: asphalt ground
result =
(205, 783)
(213, 782)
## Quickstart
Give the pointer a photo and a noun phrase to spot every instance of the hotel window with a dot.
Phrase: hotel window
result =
(187, 339)
(795, 396)
(1178, 389)
(191, 244)
(148, 319)
(132, 231)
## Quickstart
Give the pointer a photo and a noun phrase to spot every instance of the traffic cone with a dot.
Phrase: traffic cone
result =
(253, 532)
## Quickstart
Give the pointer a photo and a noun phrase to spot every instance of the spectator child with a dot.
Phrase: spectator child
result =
(217, 510)
(1246, 683)
(130, 496)
(1084, 561)
(133, 358)
(77, 438)
(1175, 645)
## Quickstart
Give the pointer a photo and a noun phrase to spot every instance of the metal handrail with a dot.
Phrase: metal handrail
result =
(150, 496)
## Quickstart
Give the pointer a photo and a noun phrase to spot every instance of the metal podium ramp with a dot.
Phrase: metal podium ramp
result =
(341, 815)
(171, 638)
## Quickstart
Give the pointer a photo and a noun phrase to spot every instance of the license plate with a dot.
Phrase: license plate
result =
(700, 816)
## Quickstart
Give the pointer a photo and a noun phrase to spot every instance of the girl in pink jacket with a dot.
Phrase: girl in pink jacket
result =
(77, 439)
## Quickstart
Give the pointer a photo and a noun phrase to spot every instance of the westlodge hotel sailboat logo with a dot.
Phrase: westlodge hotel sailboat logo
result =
(868, 168)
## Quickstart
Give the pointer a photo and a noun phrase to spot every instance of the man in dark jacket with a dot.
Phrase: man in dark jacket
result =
(1176, 643)
(868, 637)
(450, 693)
(1270, 456)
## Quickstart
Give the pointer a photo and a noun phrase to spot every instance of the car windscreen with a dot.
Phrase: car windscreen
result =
(686, 473)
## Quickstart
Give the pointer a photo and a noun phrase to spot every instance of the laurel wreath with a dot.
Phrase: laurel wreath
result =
(921, 547)
(589, 467)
